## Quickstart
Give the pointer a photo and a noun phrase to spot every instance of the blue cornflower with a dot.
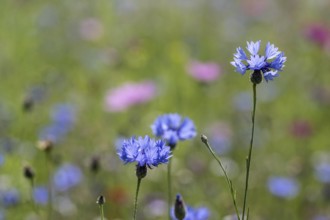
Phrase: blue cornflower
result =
(269, 64)
(9, 197)
(145, 151)
(66, 177)
(283, 187)
(40, 195)
(173, 128)
(63, 118)
(322, 171)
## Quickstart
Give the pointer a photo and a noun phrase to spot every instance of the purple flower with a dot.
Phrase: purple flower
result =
(9, 197)
(40, 195)
(121, 98)
(173, 128)
(284, 187)
(63, 118)
(66, 177)
(204, 72)
(269, 64)
(322, 171)
(319, 34)
(145, 151)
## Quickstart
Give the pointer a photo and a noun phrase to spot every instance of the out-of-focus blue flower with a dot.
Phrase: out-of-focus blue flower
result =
(40, 195)
(201, 213)
(269, 64)
(173, 128)
(145, 151)
(9, 197)
(2, 159)
(63, 118)
(66, 177)
(284, 187)
(321, 217)
(322, 171)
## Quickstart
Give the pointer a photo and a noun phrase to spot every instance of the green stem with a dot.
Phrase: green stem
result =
(248, 159)
(101, 212)
(136, 197)
(169, 185)
(49, 170)
(229, 182)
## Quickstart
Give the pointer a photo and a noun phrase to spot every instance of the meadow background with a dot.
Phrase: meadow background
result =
(62, 59)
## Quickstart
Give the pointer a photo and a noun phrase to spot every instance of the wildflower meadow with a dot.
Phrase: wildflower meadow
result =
(164, 110)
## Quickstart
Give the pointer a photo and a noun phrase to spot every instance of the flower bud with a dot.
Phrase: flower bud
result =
(141, 171)
(179, 208)
(256, 77)
(28, 172)
(204, 139)
(100, 200)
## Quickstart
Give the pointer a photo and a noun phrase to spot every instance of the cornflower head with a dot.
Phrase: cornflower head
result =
(173, 128)
(146, 152)
(264, 66)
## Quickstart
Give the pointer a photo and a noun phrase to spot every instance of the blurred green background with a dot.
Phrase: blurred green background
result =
(74, 52)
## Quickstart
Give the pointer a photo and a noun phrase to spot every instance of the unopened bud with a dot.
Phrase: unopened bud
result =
(256, 77)
(100, 200)
(179, 208)
(141, 171)
(28, 172)
(204, 139)
(45, 145)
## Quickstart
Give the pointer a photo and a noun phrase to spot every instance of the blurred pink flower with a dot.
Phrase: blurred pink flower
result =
(319, 34)
(204, 72)
(301, 129)
(129, 94)
(91, 29)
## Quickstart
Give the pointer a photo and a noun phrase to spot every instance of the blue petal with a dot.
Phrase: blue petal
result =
(270, 75)
(256, 62)
(271, 51)
(253, 47)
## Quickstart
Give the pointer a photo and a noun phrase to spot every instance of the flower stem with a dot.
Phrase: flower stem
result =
(136, 197)
(169, 190)
(49, 173)
(248, 159)
(229, 182)
(101, 212)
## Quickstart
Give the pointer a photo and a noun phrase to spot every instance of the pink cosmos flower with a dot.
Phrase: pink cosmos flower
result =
(319, 34)
(204, 72)
(129, 94)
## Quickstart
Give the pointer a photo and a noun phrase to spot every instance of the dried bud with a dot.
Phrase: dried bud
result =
(45, 145)
(94, 164)
(27, 104)
(28, 172)
(100, 200)
(204, 139)
(179, 208)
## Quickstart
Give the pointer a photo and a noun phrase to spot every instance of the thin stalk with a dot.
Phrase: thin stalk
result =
(248, 159)
(101, 212)
(31, 194)
(49, 170)
(136, 197)
(229, 182)
(169, 185)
